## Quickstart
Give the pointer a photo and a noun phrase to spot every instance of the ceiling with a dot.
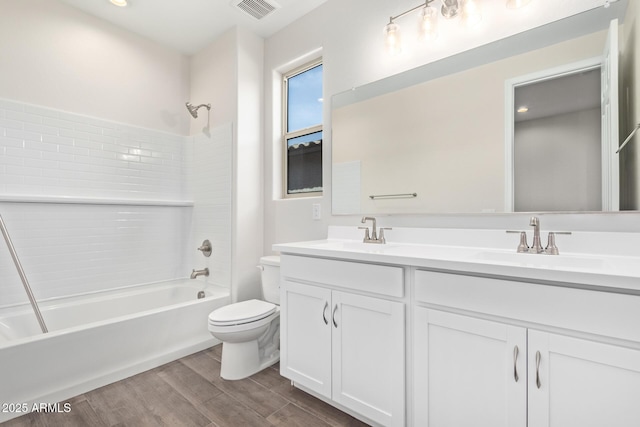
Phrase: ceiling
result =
(551, 97)
(190, 25)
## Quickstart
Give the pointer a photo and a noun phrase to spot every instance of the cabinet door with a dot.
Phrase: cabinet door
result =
(468, 371)
(368, 356)
(305, 336)
(581, 383)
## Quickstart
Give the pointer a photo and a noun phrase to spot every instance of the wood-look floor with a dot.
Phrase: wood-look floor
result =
(190, 392)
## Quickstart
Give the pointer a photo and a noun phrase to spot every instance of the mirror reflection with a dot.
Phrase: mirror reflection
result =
(438, 139)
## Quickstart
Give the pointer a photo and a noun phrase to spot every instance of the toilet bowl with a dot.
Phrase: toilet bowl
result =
(250, 330)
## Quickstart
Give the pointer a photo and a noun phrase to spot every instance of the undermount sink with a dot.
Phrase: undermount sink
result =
(353, 246)
(543, 260)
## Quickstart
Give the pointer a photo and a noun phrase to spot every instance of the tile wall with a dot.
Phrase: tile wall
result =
(92, 204)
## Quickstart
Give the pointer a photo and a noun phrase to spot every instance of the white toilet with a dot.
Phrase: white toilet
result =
(250, 330)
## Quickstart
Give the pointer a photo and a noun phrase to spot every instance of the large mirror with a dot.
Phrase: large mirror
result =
(435, 139)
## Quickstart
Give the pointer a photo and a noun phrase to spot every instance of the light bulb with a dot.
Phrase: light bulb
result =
(515, 4)
(392, 38)
(428, 24)
(471, 13)
(121, 3)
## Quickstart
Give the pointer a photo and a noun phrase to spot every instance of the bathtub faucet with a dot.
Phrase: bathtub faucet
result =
(196, 273)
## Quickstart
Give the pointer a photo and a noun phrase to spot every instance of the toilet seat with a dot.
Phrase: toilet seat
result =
(241, 313)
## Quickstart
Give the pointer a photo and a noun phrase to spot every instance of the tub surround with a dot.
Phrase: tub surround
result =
(519, 339)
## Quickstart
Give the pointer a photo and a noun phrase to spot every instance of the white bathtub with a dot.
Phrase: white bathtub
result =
(97, 339)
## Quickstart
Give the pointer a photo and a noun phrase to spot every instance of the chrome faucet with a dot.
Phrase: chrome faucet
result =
(196, 273)
(373, 237)
(536, 247)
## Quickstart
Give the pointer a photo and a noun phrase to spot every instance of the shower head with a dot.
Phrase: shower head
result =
(194, 110)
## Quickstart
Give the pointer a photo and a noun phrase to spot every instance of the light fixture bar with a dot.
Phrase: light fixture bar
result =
(425, 4)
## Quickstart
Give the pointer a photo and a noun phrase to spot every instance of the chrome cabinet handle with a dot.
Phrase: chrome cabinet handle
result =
(538, 358)
(333, 316)
(515, 363)
(324, 313)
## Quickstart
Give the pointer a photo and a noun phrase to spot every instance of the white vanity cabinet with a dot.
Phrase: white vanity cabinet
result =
(343, 334)
(497, 352)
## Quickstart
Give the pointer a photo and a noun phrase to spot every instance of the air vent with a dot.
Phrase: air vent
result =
(256, 8)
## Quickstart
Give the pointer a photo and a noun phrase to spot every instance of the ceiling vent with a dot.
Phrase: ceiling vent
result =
(256, 8)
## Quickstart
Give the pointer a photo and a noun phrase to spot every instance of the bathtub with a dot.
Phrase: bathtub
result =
(100, 338)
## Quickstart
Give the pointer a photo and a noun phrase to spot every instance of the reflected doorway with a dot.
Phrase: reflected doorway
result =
(557, 143)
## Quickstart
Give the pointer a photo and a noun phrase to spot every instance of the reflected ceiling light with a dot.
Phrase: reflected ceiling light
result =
(121, 3)
(522, 109)
(515, 4)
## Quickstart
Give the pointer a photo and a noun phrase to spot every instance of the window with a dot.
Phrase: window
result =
(302, 112)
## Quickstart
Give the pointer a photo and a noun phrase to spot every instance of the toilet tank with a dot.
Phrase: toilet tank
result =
(270, 267)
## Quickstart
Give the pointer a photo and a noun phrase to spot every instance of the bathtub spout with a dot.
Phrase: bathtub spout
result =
(196, 273)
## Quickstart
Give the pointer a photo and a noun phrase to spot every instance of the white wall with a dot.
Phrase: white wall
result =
(228, 74)
(350, 36)
(557, 162)
(96, 173)
(56, 56)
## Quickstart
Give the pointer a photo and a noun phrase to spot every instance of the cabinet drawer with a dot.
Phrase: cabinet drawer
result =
(372, 278)
(603, 313)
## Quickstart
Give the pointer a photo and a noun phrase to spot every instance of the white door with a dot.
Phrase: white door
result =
(368, 356)
(305, 336)
(469, 372)
(581, 383)
(609, 111)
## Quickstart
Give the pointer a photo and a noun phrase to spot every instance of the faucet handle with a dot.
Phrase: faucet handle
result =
(523, 246)
(381, 234)
(366, 234)
(551, 248)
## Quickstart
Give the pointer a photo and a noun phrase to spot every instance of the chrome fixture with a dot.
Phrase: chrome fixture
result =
(194, 110)
(626, 141)
(23, 277)
(373, 237)
(196, 273)
(470, 13)
(393, 196)
(201, 294)
(536, 247)
(206, 248)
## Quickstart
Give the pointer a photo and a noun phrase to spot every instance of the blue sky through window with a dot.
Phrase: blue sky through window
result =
(304, 103)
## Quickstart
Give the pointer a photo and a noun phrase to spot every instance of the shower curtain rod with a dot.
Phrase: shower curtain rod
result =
(23, 277)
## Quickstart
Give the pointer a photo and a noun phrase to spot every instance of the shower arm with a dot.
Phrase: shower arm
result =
(23, 277)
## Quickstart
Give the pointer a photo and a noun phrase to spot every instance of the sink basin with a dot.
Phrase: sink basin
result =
(353, 246)
(572, 262)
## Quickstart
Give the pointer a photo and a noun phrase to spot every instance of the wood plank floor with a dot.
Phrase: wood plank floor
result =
(190, 392)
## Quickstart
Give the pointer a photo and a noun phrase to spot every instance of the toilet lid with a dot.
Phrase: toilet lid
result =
(241, 312)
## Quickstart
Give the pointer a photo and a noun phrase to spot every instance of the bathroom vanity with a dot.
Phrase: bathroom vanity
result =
(446, 333)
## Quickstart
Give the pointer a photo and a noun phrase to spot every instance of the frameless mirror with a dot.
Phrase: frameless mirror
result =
(432, 139)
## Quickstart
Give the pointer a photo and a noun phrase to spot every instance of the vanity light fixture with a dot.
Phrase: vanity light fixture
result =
(120, 3)
(470, 13)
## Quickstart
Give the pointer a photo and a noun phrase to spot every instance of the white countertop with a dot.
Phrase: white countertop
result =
(608, 271)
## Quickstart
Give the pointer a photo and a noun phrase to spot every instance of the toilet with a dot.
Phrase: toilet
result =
(250, 330)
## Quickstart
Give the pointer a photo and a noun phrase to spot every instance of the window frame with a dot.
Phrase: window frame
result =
(286, 136)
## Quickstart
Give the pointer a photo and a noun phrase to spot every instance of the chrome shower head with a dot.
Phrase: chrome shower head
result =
(194, 110)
